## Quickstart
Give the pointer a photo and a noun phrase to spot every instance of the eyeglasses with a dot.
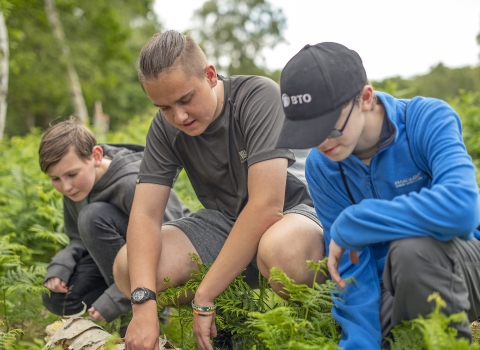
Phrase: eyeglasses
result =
(339, 132)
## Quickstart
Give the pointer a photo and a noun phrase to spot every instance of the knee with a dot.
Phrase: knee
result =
(89, 217)
(61, 303)
(120, 271)
(100, 217)
(289, 251)
(272, 251)
(287, 247)
(406, 253)
(407, 259)
(53, 303)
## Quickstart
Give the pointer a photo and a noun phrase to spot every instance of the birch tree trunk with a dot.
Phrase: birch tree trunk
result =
(101, 122)
(4, 55)
(74, 83)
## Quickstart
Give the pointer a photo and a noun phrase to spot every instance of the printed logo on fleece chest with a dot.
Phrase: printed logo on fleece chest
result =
(409, 180)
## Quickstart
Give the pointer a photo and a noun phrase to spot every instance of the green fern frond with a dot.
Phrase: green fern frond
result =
(260, 318)
(24, 280)
(43, 233)
(407, 336)
(10, 248)
(433, 332)
(8, 339)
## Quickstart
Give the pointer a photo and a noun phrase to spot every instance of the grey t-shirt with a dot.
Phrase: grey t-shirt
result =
(217, 161)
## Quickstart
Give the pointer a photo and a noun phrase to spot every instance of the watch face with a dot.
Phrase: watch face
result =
(141, 295)
(138, 294)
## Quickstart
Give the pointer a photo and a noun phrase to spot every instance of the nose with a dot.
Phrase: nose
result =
(66, 186)
(323, 145)
(180, 116)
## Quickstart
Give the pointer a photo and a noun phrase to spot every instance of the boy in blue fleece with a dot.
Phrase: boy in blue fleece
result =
(395, 189)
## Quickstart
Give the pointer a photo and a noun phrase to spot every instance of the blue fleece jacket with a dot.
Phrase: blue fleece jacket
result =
(424, 187)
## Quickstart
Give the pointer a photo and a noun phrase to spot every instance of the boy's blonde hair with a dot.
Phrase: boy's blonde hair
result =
(59, 138)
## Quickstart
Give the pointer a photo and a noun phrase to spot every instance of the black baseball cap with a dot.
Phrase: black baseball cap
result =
(315, 85)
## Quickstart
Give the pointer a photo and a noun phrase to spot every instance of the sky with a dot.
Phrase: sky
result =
(394, 38)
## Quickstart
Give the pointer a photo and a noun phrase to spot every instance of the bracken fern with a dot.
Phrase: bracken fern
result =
(433, 332)
(258, 318)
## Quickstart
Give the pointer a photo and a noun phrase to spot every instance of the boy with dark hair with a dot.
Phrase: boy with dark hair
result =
(257, 215)
(98, 184)
(393, 184)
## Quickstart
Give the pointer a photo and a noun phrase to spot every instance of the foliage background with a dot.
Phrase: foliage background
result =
(105, 37)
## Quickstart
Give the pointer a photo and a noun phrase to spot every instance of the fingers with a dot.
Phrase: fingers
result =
(353, 257)
(97, 316)
(204, 328)
(56, 285)
(213, 329)
(62, 286)
(132, 345)
(142, 334)
(334, 261)
(333, 270)
(334, 258)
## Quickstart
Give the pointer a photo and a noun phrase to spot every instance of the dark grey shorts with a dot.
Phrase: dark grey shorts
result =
(208, 230)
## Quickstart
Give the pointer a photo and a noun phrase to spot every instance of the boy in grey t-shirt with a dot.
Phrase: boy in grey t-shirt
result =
(257, 215)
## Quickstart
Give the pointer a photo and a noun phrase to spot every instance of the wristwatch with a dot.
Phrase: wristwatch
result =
(142, 294)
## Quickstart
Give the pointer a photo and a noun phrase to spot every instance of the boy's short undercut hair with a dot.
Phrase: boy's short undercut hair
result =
(59, 138)
(169, 50)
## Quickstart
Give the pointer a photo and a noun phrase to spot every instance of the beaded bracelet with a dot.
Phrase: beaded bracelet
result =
(203, 308)
(210, 313)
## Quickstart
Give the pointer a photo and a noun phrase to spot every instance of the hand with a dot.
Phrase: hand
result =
(203, 328)
(334, 257)
(56, 285)
(97, 316)
(143, 330)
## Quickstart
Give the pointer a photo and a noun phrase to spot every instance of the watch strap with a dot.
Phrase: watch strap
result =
(148, 295)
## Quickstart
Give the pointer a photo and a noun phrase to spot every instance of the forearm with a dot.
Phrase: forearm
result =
(143, 251)
(64, 262)
(144, 234)
(238, 251)
(442, 212)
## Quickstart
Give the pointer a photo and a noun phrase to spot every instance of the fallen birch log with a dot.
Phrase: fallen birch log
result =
(79, 333)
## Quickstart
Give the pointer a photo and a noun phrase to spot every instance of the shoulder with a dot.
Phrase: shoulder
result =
(431, 114)
(245, 85)
(429, 106)
(418, 112)
(121, 150)
(125, 157)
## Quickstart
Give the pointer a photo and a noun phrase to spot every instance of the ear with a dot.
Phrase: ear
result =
(366, 98)
(97, 154)
(211, 75)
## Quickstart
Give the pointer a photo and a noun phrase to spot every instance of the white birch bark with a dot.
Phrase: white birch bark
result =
(4, 56)
(78, 101)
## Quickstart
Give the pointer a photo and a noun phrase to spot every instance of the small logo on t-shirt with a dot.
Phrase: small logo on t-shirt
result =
(243, 155)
